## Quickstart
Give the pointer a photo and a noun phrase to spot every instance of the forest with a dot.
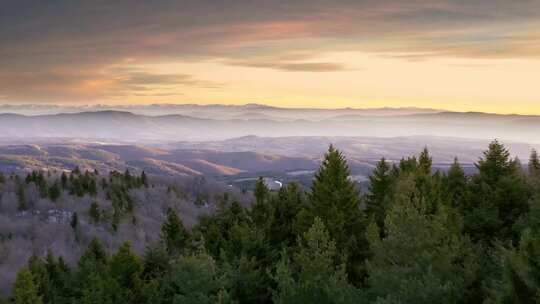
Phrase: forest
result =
(417, 235)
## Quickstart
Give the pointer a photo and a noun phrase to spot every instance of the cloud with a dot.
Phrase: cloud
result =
(291, 66)
(36, 33)
(71, 86)
(75, 44)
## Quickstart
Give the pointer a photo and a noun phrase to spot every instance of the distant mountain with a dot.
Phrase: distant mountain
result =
(213, 111)
(127, 127)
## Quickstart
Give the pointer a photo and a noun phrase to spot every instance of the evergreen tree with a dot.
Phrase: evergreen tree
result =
(55, 191)
(378, 198)
(173, 234)
(21, 198)
(64, 180)
(97, 290)
(534, 170)
(155, 262)
(125, 269)
(521, 273)
(94, 212)
(94, 260)
(261, 209)
(40, 277)
(193, 279)
(25, 290)
(59, 280)
(408, 165)
(282, 225)
(74, 221)
(425, 162)
(261, 191)
(312, 275)
(495, 163)
(455, 184)
(144, 179)
(423, 258)
(335, 200)
(76, 171)
(498, 198)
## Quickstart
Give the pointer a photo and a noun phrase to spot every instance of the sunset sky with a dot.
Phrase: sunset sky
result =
(465, 55)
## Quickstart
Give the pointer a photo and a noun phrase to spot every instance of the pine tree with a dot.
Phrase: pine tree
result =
(64, 180)
(499, 197)
(173, 234)
(335, 200)
(425, 162)
(58, 280)
(534, 170)
(334, 196)
(312, 275)
(92, 273)
(378, 199)
(261, 191)
(144, 179)
(193, 279)
(422, 258)
(125, 269)
(455, 184)
(74, 221)
(496, 163)
(95, 255)
(21, 198)
(94, 212)
(262, 209)
(97, 290)
(55, 191)
(25, 290)
(155, 262)
(76, 171)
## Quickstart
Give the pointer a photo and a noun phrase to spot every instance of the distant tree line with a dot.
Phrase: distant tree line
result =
(417, 236)
(77, 183)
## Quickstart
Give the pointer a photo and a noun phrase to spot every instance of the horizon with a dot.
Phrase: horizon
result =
(479, 56)
(285, 107)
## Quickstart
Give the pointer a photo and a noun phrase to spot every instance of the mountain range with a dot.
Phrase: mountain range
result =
(237, 121)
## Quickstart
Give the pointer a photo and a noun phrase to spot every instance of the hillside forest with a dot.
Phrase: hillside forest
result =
(417, 235)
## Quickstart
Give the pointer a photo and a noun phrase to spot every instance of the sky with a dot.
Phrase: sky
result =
(462, 55)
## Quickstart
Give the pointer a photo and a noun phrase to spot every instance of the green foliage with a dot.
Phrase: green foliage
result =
(55, 191)
(521, 272)
(433, 237)
(40, 181)
(173, 234)
(423, 258)
(497, 198)
(534, 171)
(25, 290)
(193, 279)
(311, 275)
(125, 269)
(261, 191)
(378, 198)
(335, 200)
(155, 262)
(455, 184)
